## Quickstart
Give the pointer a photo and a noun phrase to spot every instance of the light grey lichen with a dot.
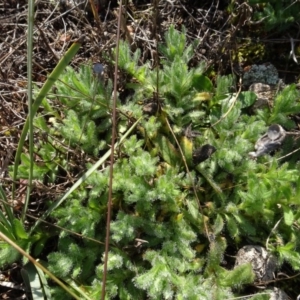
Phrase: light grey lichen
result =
(270, 141)
(262, 262)
(265, 73)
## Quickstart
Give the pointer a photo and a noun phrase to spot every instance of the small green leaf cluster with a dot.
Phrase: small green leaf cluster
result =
(87, 103)
(9, 254)
(276, 15)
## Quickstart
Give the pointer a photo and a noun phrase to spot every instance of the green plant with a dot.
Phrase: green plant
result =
(277, 14)
(274, 15)
(176, 209)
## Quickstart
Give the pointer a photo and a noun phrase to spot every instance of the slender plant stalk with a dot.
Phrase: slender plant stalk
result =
(111, 169)
(30, 102)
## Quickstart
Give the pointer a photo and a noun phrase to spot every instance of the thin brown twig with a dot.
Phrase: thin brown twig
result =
(111, 168)
(156, 56)
(275, 280)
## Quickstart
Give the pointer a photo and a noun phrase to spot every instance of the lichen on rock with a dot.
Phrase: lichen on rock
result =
(265, 73)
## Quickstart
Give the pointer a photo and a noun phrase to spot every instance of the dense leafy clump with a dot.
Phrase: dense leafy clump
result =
(177, 206)
(274, 15)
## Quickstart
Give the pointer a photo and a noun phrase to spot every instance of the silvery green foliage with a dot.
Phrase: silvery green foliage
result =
(162, 245)
(277, 15)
